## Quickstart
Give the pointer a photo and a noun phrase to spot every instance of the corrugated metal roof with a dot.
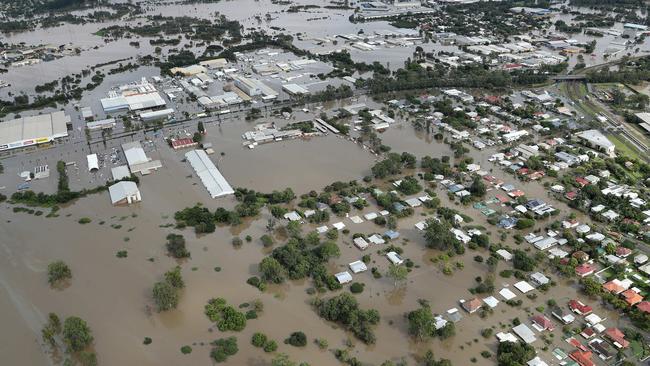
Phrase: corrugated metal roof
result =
(210, 176)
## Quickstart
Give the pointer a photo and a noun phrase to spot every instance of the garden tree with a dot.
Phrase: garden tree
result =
(224, 348)
(429, 360)
(438, 235)
(523, 262)
(165, 296)
(57, 272)
(397, 273)
(344, 309)
(409, 186)
(477, 189)
(435, 166)
(591, 286)
(421, 323)
(176, 246)
(449, 330)
(294, 229)
(198, 217)
(640, 319)
(524, 223)
(514, 354)
(174, 277)
(76, 334)
(272, 271)
(393, 164)
(481, 240)
(226, 316)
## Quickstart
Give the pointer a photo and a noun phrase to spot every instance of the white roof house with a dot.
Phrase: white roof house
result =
(506, 337)
(536, 362)
(376, 239)
(491, 301)
(524, 287)
(125, 192)
(343, 277)
(292, 216)
(504, 254)
(539, 278)
(339, 225)
(394, 258)
(210, 176)
(507, 294)
(360, 243)
(370, 216)
(525, 333)
(358, 267)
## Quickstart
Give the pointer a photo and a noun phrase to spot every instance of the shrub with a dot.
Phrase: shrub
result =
(76, 334)
(176, 246)
(270, 346)
(321, 343)
(297, 339)
(147, 341)
(223, 348)
(356, 288)
(236, 242)
(267, 240)
(186, 350)
(226, 317)
(58, 271)
(85, 220)
(258, 340)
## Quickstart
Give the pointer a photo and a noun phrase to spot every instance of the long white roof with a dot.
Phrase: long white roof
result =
(210, 176)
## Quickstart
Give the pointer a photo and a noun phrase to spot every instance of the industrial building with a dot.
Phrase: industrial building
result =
(154, 115)
(295, 89)
(254, 88)
(137, 159)
(132, 102)
(124, 193)
(597, 140)
(133, 97)
(210, 176)
(93, 162)
(33, 130)
(103, 124)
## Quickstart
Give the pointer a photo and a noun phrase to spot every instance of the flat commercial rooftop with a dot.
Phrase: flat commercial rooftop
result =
(33, 130)
(210, 176)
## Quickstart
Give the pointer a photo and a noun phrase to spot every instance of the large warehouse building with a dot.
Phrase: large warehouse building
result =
(28, 131)
(210, 176)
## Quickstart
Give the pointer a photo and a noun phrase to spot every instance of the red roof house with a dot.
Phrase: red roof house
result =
(582, 181)
(613, 287)
(623, 252)
(588, 333)
(644, 306)
(579, 308)
(472, 305)
(571, 195)
(631, 297)
(582, 358)
(542, 323)
(617, 337)
(585, 269)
